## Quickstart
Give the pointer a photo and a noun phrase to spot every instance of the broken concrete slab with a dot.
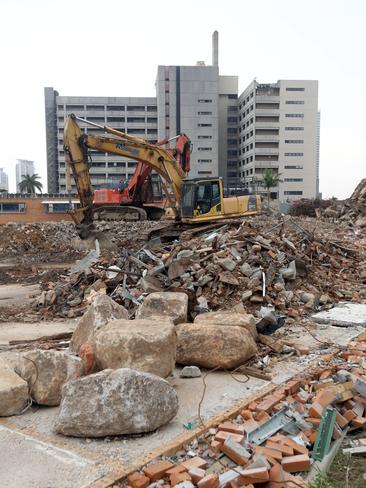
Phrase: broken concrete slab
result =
(46, 372)
(115, 402)
(167, 304)
(100, 312)
(211, 346)
(344, 314)
(190, 372)
(13, 391)
(228, 318)
(144, 344)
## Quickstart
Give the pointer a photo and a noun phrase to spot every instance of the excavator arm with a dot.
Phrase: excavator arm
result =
(168, 163)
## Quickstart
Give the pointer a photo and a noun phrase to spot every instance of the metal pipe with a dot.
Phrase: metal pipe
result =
(88, 122)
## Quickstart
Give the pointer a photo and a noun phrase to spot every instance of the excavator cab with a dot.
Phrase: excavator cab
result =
(203, 199)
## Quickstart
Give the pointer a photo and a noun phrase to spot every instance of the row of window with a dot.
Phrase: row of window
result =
(294, 128)
(294, 153)
(204, 137)
(295, 102)
(251, 95)
(293, 88)
(204, 113)
(122, 108)
(204, 160)
(300, 116)
(204, 148)
(294, 180)
(294, 141)
(12, 207)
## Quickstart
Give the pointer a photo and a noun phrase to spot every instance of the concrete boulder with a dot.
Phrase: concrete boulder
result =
(46, 372)
(211, 346)
(166, 304)
(145, 345)
(115, 402)
(13, 392)
(99, 313)
(245, 320)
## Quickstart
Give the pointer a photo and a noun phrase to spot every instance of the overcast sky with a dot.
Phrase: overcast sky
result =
(112, 48)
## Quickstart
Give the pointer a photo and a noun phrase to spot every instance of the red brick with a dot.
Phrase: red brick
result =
(316, 410)
(221, 437)
(341, 421)
(196, 474)
(292, 387)
(231, 427)
(138, 480)
(177, 469)
(267, 404)
(299, 449)
(349, 415)
(209, 481)
(358, 409)
(314, 421)
(266, 451)
(195, 462)
(262, 417)
(358, 422)
(176, 478)
(250, 425)
(215, 446)
(325, 397)
(286, 450)
(236, 452)
(253, 406)
(254, 475)
(246, 414)
(294, 464)
(157, 471)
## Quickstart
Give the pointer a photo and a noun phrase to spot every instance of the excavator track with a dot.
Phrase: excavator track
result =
(127, 213)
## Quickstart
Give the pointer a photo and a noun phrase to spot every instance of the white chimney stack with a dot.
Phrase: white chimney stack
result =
(215, 48)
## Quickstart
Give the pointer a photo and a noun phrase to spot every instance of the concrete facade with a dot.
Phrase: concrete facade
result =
(23, 167)
(4, 183)
(187, 99)
(133, 115)
(279, 128)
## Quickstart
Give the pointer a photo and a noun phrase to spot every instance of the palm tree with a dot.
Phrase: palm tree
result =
(270, 180)
(30, 184)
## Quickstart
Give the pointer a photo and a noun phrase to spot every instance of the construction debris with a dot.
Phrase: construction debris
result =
(115, 402)
(13, 392)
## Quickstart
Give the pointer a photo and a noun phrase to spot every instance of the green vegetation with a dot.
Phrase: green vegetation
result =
(30, 184)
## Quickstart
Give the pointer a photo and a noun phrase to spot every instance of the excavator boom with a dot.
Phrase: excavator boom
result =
(155, 157)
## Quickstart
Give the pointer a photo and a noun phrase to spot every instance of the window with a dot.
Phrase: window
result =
(232, 142)
(12, 207)
(120, 108)
(204, 137)
(295, 102)
(292, 88)
(294, 167)
(137, 108)
(99, 119)
(232, 108)
(60, 119)
(232, 130)
(152, 120)
(136, 119)
(205, 160)
(204, 148)
(294, 128)
(232, 152)
(294, 154)
(205, 172)
(295, 115)
(111, 119)
(204, 113)
(204, 100)
(204, 125)
(294, 141)
(294, 180)
(152, 131)
(232, 120)
(232, 97)
(60, 107)
(57, 207)
(152, 108)
(293, 193)
(134, 130)
(74, 107)
(95, 107)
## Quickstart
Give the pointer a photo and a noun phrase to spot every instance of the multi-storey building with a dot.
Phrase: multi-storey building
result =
(132, 115)
(4, 184)
(23, 167)
(279, 129)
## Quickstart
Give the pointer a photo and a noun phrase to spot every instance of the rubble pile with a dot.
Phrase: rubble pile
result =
(277, 439)
(309, 207)
(289, 266)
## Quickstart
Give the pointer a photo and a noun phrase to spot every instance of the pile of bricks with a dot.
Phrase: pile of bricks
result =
(224, 457)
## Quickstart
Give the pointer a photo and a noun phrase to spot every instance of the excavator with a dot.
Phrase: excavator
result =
(193, 200)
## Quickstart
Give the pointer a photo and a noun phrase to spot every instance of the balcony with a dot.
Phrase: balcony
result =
(266, 164)
(267, 98)
(267, 151)
(267, 125)
(265, 138)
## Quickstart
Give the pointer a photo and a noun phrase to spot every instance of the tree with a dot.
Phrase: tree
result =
(30, 184)
(270, 180)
